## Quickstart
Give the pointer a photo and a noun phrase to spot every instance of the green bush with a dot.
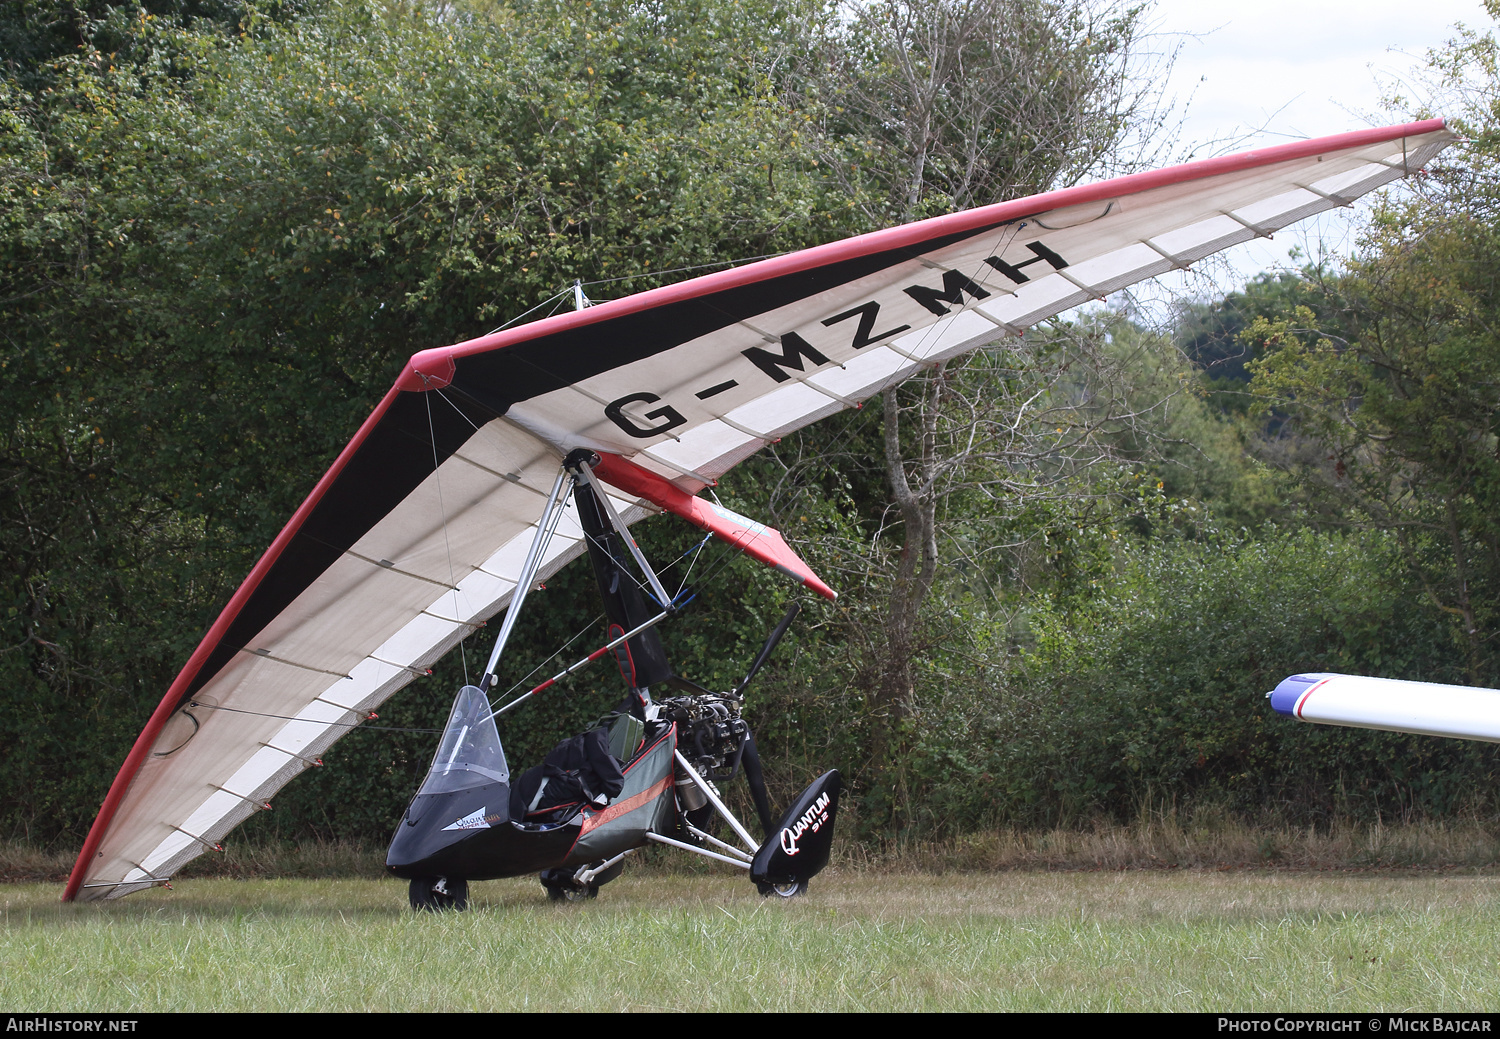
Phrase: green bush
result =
(1155, 691)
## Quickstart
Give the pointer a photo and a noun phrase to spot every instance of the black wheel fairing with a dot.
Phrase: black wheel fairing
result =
(800, 843)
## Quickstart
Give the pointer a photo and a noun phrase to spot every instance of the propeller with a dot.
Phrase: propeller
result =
(765, 651)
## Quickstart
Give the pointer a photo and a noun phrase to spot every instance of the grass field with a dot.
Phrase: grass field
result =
(1132, 940)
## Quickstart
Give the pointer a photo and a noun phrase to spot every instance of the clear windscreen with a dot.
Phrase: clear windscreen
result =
(469, 753)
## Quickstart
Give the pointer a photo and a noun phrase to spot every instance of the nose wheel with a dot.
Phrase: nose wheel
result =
(431, 894)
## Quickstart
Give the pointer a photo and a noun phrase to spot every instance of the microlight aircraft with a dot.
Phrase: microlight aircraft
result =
(452, 501)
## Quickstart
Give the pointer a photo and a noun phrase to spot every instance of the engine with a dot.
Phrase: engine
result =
(710, 732)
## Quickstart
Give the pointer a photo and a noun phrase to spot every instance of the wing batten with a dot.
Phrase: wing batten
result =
(388, 563)
(179, 688)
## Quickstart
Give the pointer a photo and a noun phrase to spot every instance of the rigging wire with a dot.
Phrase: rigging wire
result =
(575, 289)
(555, 654)
(533, 310)
(576, 284)
(694, 551)
(293, 718)
(589, 627)
(437, 475)
(682, 270)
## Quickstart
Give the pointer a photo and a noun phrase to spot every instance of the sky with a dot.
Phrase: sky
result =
(1268, 71)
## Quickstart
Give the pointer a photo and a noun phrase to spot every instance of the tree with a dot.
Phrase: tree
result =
(1398, 379)
(216, 248)
(1211, 334)
(933, 105)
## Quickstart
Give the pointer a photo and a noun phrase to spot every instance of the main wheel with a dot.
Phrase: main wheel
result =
(768, 890)
(561, 887)
(431, 894)
(572, 893)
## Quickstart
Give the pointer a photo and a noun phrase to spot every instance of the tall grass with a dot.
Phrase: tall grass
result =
(1164, 839)
(1157, 940)
(1159, 837)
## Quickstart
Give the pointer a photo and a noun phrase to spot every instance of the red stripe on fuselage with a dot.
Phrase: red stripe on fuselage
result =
(614, 811)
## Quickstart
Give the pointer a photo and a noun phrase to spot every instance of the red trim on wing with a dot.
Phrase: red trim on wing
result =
(1301, 700)
(757, 541)
(435, 367)
(168, 705)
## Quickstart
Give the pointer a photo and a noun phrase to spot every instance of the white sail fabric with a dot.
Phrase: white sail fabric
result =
(393, 560)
